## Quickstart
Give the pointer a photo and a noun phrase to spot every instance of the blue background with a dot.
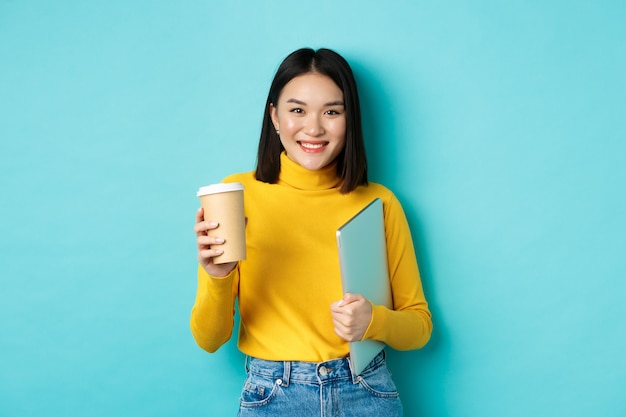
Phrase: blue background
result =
(499, 125)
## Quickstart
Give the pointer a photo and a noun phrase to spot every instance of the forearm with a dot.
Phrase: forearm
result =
(402, 330)
(212, 316)
(407, 325)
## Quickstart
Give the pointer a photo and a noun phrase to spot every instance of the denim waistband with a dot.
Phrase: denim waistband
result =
(308, 372)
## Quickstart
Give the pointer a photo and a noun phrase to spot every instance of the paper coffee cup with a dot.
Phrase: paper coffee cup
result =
(223, 203)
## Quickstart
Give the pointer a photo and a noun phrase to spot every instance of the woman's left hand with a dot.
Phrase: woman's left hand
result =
(351, 316)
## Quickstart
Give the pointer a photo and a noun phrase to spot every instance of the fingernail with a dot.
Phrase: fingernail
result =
(219, 240)
(212, 224)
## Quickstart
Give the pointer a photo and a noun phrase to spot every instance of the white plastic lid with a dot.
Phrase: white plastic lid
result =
(219, 188)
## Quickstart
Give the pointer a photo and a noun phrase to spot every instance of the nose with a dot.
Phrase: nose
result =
(314, 126)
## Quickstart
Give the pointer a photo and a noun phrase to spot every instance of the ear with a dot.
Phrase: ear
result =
(274, 116)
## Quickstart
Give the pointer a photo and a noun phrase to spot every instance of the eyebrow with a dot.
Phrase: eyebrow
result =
(331, 103)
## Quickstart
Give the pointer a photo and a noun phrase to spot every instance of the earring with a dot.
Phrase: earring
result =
(278, 132)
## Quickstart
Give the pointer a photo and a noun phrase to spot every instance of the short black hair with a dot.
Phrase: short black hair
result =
(351, 162)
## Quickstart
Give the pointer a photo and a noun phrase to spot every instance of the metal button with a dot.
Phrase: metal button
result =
(323, 371)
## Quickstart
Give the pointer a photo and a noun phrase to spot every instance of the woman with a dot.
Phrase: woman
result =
(296, 323)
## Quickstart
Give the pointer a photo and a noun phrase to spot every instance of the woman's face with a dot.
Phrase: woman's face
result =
(310, 115)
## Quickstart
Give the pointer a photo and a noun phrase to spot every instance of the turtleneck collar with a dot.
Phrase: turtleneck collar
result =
(296, 176)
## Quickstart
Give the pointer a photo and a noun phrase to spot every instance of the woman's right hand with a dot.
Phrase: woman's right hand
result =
(207, 249)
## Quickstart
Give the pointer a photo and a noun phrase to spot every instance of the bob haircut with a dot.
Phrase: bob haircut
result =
(351, 161)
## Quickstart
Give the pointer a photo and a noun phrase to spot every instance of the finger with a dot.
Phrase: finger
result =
(339, 321)
(202, 227)
(348, 337)
(351, 298)
(206, 254)
(200, 215)
(335, 307)
(340, 330)
(210, 240)
(199, 229)
(349, 333)
(206, 241)
(342, 313)
(343, 322)
(338, 333)
(341, 310)
(345, 310)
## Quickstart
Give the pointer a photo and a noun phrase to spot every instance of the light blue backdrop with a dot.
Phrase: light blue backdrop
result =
(499, 125)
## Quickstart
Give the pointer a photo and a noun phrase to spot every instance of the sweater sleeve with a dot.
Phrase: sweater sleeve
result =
(212, 316)
(408, 325)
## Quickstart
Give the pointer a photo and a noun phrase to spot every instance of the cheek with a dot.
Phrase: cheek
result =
(339, 128)
(288, 125)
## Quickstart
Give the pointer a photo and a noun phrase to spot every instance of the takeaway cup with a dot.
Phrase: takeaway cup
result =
(223, 203)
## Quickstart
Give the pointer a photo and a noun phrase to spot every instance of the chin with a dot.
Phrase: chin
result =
(313, 167)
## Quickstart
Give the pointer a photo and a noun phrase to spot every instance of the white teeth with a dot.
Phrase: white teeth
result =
(312, 145)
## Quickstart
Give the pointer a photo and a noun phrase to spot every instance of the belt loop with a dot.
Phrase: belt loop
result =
(246, 363)
(286, 373)
(355, 378)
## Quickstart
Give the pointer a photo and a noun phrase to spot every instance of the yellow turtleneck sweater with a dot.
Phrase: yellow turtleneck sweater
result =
(291, 274)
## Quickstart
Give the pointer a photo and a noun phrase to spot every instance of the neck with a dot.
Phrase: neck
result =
(296, 176)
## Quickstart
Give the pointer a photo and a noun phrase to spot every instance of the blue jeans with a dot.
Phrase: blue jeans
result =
(325, 389)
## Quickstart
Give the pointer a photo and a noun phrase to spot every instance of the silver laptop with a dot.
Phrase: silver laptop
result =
(363, 261)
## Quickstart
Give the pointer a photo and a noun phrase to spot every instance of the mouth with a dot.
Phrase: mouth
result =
(312, 147)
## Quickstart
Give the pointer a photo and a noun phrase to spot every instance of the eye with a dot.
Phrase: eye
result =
(333, 112)
(296, 110)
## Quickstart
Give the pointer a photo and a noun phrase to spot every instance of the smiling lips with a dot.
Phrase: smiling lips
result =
(312, 147)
